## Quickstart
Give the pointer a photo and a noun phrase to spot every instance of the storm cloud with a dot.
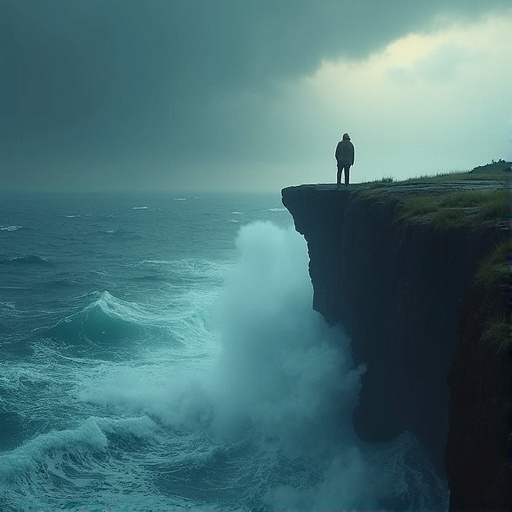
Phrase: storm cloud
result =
(192, 93)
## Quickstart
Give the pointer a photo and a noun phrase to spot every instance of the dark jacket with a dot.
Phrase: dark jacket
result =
(345, 152)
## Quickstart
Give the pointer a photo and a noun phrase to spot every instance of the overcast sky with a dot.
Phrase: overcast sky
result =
(249, 94)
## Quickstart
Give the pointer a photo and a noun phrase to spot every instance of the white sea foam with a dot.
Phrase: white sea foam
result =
(11, 228)
(283, 381)
(88, 437)
(123, 310)
(286, 374)
(253, 407)
(192, 268)
(283, 375)
(118, 309)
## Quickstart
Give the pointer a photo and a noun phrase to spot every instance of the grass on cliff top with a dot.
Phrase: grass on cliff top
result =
(495, 171)
(454, 209)
(475, 175)
(451, 200)
(496, 271)
(496, 268)
(490, 172)
(480, 198)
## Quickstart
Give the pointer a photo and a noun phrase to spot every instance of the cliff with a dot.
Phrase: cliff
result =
(404, 290)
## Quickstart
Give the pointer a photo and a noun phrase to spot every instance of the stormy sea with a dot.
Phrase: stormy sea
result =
(160, 352)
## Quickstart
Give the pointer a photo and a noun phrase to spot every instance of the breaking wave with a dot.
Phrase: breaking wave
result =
(242, 399)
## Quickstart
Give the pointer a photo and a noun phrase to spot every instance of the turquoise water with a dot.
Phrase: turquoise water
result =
(160, 352)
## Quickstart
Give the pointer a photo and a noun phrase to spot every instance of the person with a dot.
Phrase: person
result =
(345, 158)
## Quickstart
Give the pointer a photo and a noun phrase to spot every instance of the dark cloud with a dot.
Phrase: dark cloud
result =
(88, 82)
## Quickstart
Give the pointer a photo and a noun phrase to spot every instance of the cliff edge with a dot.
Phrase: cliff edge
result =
(400, 276)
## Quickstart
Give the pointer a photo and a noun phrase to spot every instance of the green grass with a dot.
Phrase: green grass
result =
(448, 210)
(498, 333)
(419, 205)
(473, 198)
(461, 176)
(494, 268)
(464, 199)
(492, 273)
(478, 199)
(490, 172)
(495, 206)
(439, 178)
(449, 218)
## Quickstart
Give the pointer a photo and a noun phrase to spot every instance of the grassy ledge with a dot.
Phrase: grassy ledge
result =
(476, 199)
(495, 271)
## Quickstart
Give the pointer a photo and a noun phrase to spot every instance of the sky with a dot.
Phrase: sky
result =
(114, 95)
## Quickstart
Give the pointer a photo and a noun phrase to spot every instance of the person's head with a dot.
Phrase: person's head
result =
(346, 136)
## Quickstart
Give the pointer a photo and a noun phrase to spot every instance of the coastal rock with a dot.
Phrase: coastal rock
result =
(401, 289)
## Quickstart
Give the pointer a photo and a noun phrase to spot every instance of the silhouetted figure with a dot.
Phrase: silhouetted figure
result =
(345, 158)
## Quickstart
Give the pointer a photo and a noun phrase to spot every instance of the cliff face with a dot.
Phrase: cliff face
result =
(399, 289)
(480, 411)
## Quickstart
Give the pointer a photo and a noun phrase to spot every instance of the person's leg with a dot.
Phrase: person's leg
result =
(347, 174)
(338, 176)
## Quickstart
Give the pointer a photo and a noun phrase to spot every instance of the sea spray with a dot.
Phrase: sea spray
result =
(282, 368)
(286, 375)
(171, 369)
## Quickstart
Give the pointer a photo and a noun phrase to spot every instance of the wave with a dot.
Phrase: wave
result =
(7, 306)
(108, 320)
(86, 438)
(190, 268)
(113, 464)
(30, 259)
(64, 282)
(72, 464)
(119, 234)
(180, 277)
(277, 400)
(11, 228)
(7, 311)
(259, 420)
(112, 328)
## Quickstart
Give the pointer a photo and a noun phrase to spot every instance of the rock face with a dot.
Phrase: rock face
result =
(402, 292)
(478, 440)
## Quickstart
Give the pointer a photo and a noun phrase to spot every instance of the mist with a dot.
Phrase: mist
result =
(279, 393)
(282, 369)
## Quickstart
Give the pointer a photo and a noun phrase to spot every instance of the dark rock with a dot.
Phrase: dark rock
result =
(479, 474)
(397, 288)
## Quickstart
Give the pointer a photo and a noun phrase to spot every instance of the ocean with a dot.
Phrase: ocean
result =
(160, 352)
